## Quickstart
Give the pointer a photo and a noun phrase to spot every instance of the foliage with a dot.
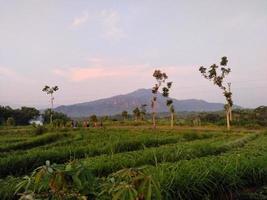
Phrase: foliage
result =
(55, 182)
(160, 77)
(21, 116)
(61, 152)
(124, 114)
(214, 177)
(174, 163)
(143, 111)
(61, 118)
(10, 121)
(39, 130)
(50, 91)
(136, 113)
(217, 77)
(130, 184)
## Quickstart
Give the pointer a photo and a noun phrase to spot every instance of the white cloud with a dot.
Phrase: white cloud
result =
(78, 21)
(11, 74)
(111, 23)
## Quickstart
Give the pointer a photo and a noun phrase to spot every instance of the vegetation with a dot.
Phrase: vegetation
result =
(20, 116)
(50, 91)
(217, 78)
(169, 102)
(126, 160)
(136, 113)
(124, 115)
(126, 163)
(59, 119)
(160, 78)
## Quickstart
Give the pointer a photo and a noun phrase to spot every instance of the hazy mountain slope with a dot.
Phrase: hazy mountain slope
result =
(116, 104)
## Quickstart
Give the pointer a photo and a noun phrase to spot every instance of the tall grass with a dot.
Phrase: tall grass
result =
(214, 177)
(34, 142)
(105, 164)
(32, 159)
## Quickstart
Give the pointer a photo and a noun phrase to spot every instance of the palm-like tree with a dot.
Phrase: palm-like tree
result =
(50, 91)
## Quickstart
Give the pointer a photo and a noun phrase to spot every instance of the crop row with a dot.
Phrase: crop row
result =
(32, 159)
(106, 164)
(37, 141)
(214, 177)
(103, 165)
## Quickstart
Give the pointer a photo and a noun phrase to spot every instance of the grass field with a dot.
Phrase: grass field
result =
(206, 163)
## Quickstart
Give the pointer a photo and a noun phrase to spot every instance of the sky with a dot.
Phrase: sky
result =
(97, 49)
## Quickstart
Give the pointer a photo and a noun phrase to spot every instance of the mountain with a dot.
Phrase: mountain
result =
(116, 104)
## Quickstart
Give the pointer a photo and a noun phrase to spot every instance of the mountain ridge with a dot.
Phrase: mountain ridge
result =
(116, 104)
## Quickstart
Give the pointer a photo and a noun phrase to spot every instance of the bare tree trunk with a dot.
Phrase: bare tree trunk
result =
(172, 118)
(228, 119)
(154, 119)
(154, 113)
(230, 113)
(52, 106)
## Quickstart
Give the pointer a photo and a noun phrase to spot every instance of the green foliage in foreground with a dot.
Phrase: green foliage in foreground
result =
(208, 177)
(29, 160)
(211, 176)
(188, 165)
(74, 181)
(106, 164)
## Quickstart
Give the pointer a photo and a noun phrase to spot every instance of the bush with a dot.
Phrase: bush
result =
(39, 130)
(10, 121)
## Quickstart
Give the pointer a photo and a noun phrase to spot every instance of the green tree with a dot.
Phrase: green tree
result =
(58, 116)
(93, 118)
(10, 121)
(22, 116)
(136, 113)
(169, 102)
(124, 115)
(160, 78)
(143, 111)
(50, 91)
(217, 75)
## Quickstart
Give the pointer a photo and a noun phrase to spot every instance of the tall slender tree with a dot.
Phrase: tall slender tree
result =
(160, 78)
(169, 102)
(143, 111)
(136, 113)
(50, 91)
(217, 75)
(124, 115)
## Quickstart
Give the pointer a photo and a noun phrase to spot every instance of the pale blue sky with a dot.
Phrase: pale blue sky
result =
(96, 49)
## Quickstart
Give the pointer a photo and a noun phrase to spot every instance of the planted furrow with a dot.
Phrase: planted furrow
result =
(106, 164)
(32, 159)
(214, 177)
(41, 140)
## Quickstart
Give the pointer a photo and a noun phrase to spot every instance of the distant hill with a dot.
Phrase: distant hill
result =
(116, 104)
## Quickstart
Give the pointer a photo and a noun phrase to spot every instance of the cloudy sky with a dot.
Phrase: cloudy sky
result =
(96, 49)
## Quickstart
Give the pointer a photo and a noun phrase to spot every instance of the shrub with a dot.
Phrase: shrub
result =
(39, 130)
(10, 121)
(71, 182)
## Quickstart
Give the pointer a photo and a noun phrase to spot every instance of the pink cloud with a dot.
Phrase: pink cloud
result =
(11, 74)
(80, 74)
(102, 70)
(78, 21)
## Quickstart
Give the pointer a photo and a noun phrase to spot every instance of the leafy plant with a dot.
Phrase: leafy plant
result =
(130, 184)
(56, 182)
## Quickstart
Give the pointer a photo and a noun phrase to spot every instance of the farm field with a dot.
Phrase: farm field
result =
(180, 163)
